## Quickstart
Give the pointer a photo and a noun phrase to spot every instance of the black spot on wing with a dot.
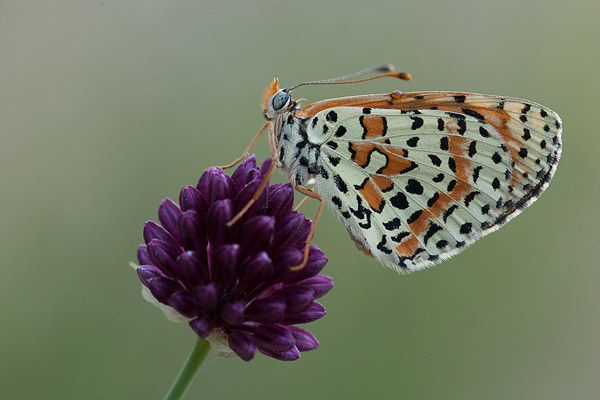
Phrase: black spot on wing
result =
(449, 212)
(398, 238)
(399, 201)
(441, 244)
(414, 216)
(472, 149)
(340, 131)
(444, 143)
(381, 246)
(339, 182)
(440, 124)
(469, 198)
(523, 152)
(393, 224)
(455, 115)
(452, 164)
(473, 113)
(496, 158)
(462, 126)
(412, 142)
(476, 172)
(362, 185)
(336, 200)
(331, 116)
(361, 213)
(433, 199)
(333, 160)
(496, 183)
(414, 187)
(485, 209)
(466, 228)
(435, 160)
(323, 172)
(417, 123)
(433, 228)
(451, 185)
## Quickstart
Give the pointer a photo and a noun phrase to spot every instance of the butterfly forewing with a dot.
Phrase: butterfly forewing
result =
(531, 131)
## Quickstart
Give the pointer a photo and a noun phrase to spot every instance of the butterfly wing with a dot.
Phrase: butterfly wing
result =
(531, 132)
(416, 186)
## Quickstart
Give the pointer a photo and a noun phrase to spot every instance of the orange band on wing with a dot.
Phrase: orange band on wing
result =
(374, 126)
(457, 146)
(361, 153)
(382, 182)
(408, 248)
(440, 205)
(395, 162)
(372, 196)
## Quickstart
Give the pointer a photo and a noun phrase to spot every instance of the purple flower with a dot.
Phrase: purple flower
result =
(234, 284)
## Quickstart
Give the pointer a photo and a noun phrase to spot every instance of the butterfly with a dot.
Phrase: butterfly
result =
(415, 177)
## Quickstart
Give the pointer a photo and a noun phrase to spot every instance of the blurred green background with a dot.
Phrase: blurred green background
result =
(108, 106)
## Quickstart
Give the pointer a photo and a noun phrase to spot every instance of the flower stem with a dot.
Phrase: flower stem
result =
(187, 373)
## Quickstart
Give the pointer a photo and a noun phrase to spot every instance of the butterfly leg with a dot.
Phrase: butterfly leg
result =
(302, 203)
(310, 194)
(250, 146)
(256, 194)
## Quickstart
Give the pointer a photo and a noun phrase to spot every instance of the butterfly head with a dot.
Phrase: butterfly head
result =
(275, 100)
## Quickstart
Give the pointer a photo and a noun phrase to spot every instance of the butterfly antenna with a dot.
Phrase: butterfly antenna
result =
(387, 70)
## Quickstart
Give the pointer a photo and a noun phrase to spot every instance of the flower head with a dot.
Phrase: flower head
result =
(234, 284)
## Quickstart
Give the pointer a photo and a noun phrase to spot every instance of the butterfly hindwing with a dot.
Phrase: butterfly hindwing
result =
(532, 134)
(413, 187)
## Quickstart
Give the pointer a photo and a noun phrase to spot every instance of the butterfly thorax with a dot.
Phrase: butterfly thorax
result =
(299, 155)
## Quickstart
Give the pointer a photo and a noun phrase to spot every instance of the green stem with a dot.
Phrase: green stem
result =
(187, 373)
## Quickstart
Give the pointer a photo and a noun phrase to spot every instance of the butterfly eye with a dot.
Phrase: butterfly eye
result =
(280, 100)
